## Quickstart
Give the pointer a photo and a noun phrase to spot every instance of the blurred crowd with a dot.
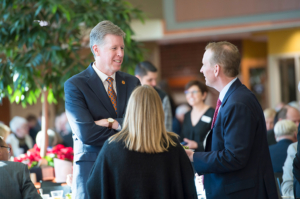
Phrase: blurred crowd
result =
(23, 133)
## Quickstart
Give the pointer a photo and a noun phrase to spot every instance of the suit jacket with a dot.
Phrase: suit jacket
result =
(86, 101)
(278, 154)
(236, 161)
(15, 182)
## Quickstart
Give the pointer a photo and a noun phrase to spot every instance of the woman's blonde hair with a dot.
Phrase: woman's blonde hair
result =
(269, 113)
(4, 131)
(143, 128)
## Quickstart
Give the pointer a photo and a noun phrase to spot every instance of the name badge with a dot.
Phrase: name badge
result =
(206, 119)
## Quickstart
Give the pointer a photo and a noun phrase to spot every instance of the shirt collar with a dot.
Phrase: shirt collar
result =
(225, 89)
(102, 76)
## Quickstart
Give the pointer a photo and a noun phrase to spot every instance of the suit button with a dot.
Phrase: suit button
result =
(207, 193)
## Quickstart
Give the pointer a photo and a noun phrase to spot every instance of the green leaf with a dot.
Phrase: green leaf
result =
(38, 10)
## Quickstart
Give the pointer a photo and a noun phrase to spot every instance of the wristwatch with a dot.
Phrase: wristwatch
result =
(110, 122)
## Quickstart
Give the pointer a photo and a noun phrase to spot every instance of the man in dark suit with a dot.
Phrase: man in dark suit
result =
(15, 182)
(96, 101)
(236, 162)
(285, 134)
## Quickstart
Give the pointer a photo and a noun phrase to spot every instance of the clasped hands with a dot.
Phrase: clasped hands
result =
(105, 123)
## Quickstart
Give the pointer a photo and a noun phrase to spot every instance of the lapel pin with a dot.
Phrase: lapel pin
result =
(123, 82)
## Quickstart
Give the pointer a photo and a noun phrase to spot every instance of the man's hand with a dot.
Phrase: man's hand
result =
(105, 123)
(190, 154)
(191, 143)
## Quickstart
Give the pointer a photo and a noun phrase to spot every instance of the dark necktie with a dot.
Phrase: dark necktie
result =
(219, 103)
(111, 93)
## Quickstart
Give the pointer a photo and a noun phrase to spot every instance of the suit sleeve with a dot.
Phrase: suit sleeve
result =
(28, 190)
(81, 120)
(239, 126)
(168, 113)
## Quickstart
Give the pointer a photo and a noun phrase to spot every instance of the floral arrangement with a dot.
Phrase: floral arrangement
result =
(32, 157)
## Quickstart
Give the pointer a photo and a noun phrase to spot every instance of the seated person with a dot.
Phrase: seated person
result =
(269, 114)
(4, 131)
(143, 160)
(197, 122)
(53, 138)
(33, 125)
(15, 182)
(285, 134)
(287, 186)
(19, 139)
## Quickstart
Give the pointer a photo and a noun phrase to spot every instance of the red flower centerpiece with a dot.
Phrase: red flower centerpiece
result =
(32, 157)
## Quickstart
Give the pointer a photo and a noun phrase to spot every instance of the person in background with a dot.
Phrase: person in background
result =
(197, 122)
(296, 164)
(15, 181)
(63, 128)
(269, 114)
(285, 134)
(146, 72)
(4, 131)
(33, 125)
(180, 111)
(287, 185)
(287, 112)
(143, 160)
(19, 139)
(53, 138)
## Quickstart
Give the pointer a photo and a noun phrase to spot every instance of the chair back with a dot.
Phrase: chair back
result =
(278, 179)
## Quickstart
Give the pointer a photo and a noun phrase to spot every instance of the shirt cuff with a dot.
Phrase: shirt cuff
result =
(119, 128)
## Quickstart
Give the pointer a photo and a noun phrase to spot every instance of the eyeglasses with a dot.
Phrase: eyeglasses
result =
(191, 92)
(8, 148)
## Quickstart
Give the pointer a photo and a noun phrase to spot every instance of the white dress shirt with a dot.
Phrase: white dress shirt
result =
(103, 78)
(225, 89)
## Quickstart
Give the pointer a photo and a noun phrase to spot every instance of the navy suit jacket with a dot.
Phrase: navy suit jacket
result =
(236, 161)
(86, 101)
(278, 154)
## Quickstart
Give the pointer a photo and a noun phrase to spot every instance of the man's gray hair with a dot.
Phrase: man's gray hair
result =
(285, 128)
(16, 123)
(101, 30)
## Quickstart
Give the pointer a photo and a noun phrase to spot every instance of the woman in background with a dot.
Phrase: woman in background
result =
(197, 122)
(269, 114)
(143, 161)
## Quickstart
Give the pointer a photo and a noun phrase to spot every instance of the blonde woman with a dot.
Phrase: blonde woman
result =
(143, 160)
(269, 114)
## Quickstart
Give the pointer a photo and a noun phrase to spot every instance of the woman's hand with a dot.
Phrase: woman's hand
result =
(191, 143)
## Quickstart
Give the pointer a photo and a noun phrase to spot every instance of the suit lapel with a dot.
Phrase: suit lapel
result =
(96, 85)
(121, 93)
